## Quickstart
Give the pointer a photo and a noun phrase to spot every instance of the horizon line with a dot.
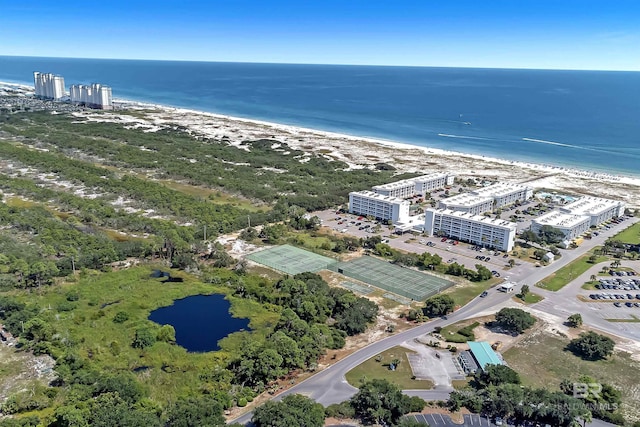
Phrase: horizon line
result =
(324, 64)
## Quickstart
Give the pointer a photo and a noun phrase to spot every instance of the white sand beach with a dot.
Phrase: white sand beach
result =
(359, 152)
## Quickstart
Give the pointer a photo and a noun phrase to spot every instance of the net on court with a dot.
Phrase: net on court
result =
(401, 281)
(291, 260)
(364, 290)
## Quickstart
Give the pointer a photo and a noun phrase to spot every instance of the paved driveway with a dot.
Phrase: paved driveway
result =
(439, 420)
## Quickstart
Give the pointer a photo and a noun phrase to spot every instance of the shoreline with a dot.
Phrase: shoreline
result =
(359, 152)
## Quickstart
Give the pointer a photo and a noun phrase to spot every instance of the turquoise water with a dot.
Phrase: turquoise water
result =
(584, 119)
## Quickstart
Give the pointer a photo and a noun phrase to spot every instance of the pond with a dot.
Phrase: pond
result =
(200, 321)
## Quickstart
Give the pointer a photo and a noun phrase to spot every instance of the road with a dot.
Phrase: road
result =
(330, 386)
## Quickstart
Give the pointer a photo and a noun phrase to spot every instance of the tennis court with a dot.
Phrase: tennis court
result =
(291, 260)
(402, 281)
(364, 290)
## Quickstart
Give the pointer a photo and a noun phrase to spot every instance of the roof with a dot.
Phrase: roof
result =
(484, 354)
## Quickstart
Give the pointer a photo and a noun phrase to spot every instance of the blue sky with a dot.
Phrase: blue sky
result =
(558, 34)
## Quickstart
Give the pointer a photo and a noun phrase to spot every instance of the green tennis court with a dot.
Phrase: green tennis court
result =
(405, 282)
(291, 260)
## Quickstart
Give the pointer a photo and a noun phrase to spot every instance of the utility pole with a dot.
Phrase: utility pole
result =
(205, 232)
(73, 265)
(249, 220)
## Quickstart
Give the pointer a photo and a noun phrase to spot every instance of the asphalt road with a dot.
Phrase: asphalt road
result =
(330, 386)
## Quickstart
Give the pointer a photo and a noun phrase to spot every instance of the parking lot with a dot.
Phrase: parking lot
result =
(439, 420)
(618, 295)
(449, 250)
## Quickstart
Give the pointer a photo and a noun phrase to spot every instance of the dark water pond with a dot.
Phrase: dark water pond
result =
(200, 321)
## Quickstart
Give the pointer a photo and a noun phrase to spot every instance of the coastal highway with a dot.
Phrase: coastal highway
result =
(330, 386)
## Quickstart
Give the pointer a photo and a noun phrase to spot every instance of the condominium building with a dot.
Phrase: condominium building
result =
(379, 206)
(433, 181)
(467, 203)
(597, 209)
(505, 194)
(476, 229)
(570, 224)
(48, 86)
(94, 95)
(400, 189)
(412, 186)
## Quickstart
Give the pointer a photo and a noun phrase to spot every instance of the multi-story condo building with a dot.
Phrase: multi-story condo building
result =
(505, 194)
(468, 203)
(476, 229)
(94, 95)
(598, 210)
(412, 186)
(379, 206)
(400, 189)
(433, 181)
(48, 86)
(571, 225)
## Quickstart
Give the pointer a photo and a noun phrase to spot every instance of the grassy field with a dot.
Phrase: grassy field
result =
(214, 196)
(530, 298)
(560, 278)
(372, 369)
(464, 291)
(166, 369)
(451, 332)
(630, 235)
(620, 370)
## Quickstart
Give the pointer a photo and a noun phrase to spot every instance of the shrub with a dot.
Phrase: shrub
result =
(121, 317)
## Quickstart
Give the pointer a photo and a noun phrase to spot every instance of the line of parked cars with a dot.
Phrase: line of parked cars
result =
(614, 296)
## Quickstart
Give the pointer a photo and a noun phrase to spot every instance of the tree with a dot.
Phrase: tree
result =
(496, 375)
(592, 346)
(539, 253)
(439, 305)
(524, 291)
(195, 411)
(379, 401)
(511, 263)
(394, 364)
(144, 338)
(575, 320)
(550, 235)
(529, 236)
(514, 319)
(292, 411)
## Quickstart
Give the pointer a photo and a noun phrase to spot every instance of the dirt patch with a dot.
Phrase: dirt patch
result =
(19, 370)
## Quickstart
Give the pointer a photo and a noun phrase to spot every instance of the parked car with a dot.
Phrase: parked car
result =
(484, 294)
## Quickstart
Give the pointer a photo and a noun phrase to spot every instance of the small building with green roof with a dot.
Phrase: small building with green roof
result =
(479, 355)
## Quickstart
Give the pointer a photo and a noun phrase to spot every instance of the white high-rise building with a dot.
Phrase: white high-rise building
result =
(597, 209)
(412, 186)
(467, 227)
(570, 224)
(505, 194)
(467, 202)
(379, 206)
(94, 95)
(48, 86)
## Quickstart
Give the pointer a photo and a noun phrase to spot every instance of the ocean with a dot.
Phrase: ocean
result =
(580, 119)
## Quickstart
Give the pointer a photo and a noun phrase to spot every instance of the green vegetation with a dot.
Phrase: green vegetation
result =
(525, 356)
(292, 411)
(438, 305)
(575, 320)
(378, 367)
(381, 402)
(630, 235)
(592, 346)
(463, 293)
(566, 274)
(455, 334)
(514, 320)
